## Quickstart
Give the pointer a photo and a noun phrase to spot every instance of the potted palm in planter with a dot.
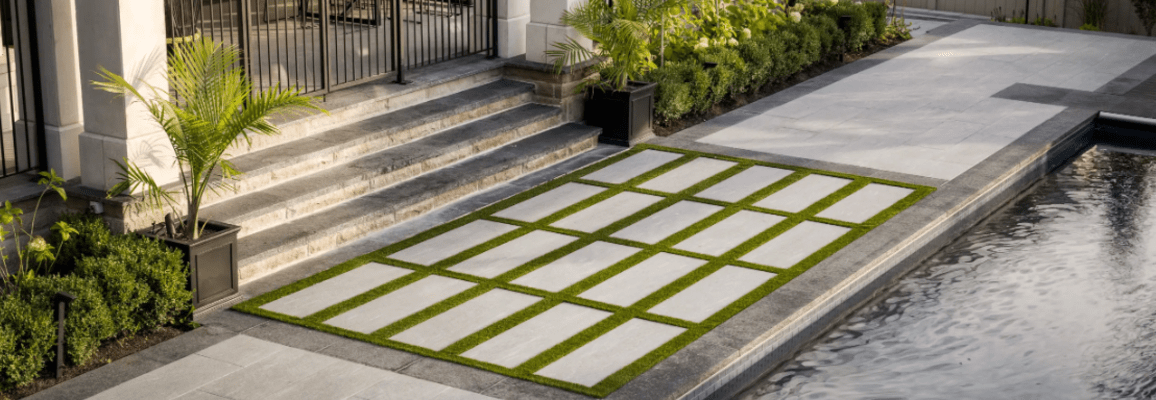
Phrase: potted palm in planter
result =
(621, 31)
(211, 108)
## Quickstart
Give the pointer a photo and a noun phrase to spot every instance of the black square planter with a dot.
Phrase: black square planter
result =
(212, 261)
(624, 116)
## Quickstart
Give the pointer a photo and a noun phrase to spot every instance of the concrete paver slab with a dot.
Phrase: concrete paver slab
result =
(512, 254)
(170, 381)
(336, 289)
(667, 221)
(744, 184)
(632, 166)
(608, 353)
(199, 395)
(242, 350)
(607, 211)
(336, 382)
(865, 203)
(399, 304)
(634, 284)
(530, 338)
(270, 375)
(711, 294)
(729, 233)
(545, 204)
(401, 387)
(795, 244)
(687, 175)
(451, 326)
(453, 242)
(802, 194)
(576, 266)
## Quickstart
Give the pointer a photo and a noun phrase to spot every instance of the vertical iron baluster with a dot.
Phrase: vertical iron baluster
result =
(325, 67)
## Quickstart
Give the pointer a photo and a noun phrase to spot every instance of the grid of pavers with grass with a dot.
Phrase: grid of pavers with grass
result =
(588, 281)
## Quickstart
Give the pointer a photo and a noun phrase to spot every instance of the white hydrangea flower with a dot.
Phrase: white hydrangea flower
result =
(796, 16)
(733, 42)
(746, 33)
(702, 43)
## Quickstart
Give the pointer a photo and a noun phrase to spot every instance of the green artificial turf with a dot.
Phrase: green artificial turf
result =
(784, 273)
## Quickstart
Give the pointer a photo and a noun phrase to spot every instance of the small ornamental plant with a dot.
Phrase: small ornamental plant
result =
(33, 254)
(622, 33)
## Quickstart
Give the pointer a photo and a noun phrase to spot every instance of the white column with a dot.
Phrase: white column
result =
(513, 15)
(127, 37)
(546, 28)
(60, 83)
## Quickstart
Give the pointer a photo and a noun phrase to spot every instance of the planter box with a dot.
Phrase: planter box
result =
(212, 263)
(625, 116)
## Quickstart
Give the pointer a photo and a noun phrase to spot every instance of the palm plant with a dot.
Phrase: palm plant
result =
(212, 107)
(622, 31)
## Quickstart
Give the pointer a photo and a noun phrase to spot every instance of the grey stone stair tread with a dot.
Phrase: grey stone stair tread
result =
(408, 193)
(237, 209)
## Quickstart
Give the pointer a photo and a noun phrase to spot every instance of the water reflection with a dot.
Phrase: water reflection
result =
(1053, 297)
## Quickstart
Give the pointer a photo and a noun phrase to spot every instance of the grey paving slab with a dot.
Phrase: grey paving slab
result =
(800, 195)
(530, 338)
(711, 294)
(865, 203)
(399, 304)
(170, 381)
(270, 375)
(451, 326)
(545, 204)
(576, 266)
(199, 395)
(610, 352)
(639, 281)
(401, 387)
(667, 221)
(607, 211)
(687, 175)
(512, 254)
(339, 381)
(797, 243)
(632, 166)
(744, 183)
(242, 350)
(453, 242)
(336, 289)
(729, 233)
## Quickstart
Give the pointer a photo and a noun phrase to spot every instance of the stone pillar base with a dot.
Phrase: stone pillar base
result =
(551, 88)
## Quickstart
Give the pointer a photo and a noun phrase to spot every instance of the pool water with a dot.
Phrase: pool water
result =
(1051, 297)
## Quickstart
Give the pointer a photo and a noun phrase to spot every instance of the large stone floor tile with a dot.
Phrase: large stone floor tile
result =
(632, 166)
(512, 254)
(451, 326)
(400, 387)
(337, 382)
(634, 284)
(199, 395)
(865, 203)
(545, 204)
(242, 350)
(170, 381)
(399, 304)
(576, 266)
(607, 211)
(729, 233)
(667, 222)
(802, 194)
(538, 334)
(797, 243)
(744, 184)
(335, 290)
(610, 352)
(453, 242)
(711, 294)
(687, 175)
(270, 375)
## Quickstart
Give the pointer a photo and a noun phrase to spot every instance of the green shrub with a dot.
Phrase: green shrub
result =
(732, 79)
(26, 336)
(808, 46)
(861, 28)
(776, 48)
(878, 14)
(122, 291)
(163, 271)
(758, 59)
(87, 321)
(91, 238)
(1089, 27)
(672, 98)
(830, 38)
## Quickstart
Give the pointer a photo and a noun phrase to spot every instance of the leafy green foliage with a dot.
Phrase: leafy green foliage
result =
(730, 76)
(877, 14)
(623, 34)
(1089, 27)
(91, 237)
(861, 28)
(87, 321)
(26, 335)
(33, 253)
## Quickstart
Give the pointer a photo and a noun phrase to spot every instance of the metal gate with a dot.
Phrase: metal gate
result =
(22, 146)
(322, 45)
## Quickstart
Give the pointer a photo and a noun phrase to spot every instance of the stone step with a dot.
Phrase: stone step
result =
(281, 245)
(303, 156)
(336, 183)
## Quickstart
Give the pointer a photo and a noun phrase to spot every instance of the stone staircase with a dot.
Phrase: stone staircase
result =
(385, 157)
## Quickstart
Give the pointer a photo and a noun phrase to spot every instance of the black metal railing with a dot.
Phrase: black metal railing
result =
(22, 146)
(322, 45)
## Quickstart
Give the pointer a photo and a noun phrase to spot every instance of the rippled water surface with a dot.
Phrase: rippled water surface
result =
(1052, 297)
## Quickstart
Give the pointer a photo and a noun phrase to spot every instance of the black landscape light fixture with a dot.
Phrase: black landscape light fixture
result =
(62, 300)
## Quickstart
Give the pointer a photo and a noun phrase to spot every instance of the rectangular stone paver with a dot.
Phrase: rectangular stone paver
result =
(865, 203)
(744, 184)
(729, 233)
(521, 343)
(453, 242)
(711, 294)
(512, 254)
(401, 387)
(545, 204)
(687, 175)
(576, 266)
(399, 304)
(455, 324)
(800, 195)
(270, 375)
(170, 381)
(242, 350)
(335, 290)
(339, 381)
(632, 166)
(639, 281)
(667, 221)
(795, 244)
(607, 211)
(610, 352)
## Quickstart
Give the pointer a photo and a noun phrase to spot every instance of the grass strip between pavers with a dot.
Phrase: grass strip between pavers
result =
(620, 315)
